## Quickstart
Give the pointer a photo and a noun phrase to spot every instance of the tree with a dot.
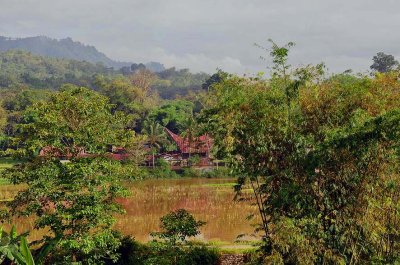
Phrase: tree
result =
(143, 79)
(3, 119)
(214, 79)
(75, 201)
(137, 67)
(156, 137)
(321, 158)
(177, 226)
(384, 63)
(132, 100)
(173, 114)
(190, 133)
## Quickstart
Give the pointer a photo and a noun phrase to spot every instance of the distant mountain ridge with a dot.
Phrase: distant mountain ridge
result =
(67, 49)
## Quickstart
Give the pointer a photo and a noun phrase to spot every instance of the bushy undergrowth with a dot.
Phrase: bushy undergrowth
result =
(163, 170)
(132, 252)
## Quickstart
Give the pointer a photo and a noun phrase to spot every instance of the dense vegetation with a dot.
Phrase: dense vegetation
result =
(21, 68)
(319, 153)
(65, 49)
(322, 158)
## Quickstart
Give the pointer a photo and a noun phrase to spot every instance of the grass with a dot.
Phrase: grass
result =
(240, 247)
(5, 162)
(4, 181)
(215, 185)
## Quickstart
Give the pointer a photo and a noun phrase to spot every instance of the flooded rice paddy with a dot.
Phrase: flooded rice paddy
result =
(209, 200)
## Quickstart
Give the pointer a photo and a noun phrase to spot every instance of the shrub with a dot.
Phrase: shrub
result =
(162, 170)
(177, 226)
(200, 255)
(132, 252)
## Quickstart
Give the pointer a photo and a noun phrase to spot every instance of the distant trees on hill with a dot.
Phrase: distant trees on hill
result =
(19, 67)
(39, 72)
(384, 63)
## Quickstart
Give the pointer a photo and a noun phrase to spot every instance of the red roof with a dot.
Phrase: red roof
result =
(201, 144)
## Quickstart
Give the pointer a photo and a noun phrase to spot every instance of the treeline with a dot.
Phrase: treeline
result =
(138, 93)
(168, 98)
(66, 49)
(320, 155)
(20, 68)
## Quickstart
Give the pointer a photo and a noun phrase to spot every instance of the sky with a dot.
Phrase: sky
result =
(204, 35)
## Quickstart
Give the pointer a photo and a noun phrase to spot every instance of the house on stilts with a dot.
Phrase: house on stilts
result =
(188, 149)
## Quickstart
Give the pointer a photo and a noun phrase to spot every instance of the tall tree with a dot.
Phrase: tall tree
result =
(384, 63)
(75, 200)
(143, 79)
(321, 159)
(156, 137)
(3, 119)
(190, 133)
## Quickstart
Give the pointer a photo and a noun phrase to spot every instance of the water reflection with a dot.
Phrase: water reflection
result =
(210, 200)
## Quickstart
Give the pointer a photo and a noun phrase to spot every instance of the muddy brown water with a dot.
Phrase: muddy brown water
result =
(209, 200)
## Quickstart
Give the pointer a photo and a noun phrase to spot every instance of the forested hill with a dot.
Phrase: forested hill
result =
(20, 68)
(23, 68)
(67, 49)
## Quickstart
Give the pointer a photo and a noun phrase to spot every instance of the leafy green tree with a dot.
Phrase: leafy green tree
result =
(177, 226)
(14, 102)
(3, 119)
(177, 83)
(75, 200)
(190, 134)
(23, 68)
(321, 157)
(132, 100)
(173, 115)
(384, 63)
(156, 137)
(214, 79)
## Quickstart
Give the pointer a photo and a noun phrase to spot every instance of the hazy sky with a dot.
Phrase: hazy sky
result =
(203, 34)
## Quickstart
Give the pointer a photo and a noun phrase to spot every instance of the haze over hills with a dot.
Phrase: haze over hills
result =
(67, 49)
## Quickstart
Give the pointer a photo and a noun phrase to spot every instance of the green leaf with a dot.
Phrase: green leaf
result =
(13, 232)
(26, 252)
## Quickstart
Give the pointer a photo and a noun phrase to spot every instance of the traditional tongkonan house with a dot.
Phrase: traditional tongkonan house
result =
(198, 146)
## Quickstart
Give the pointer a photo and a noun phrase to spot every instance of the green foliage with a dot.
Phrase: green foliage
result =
(74, 200)
(162, 170)
(19, 67)
(132, 252)
(175, 83)
(15, 248)
(136, 101)
(14, 102)
(173, 115)
(214, 79)
(135, 253)
(384, 63)
(201, 255)
(177, 226)
(321, 156)
(63, 48)
(194, 160)
(3, 119)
